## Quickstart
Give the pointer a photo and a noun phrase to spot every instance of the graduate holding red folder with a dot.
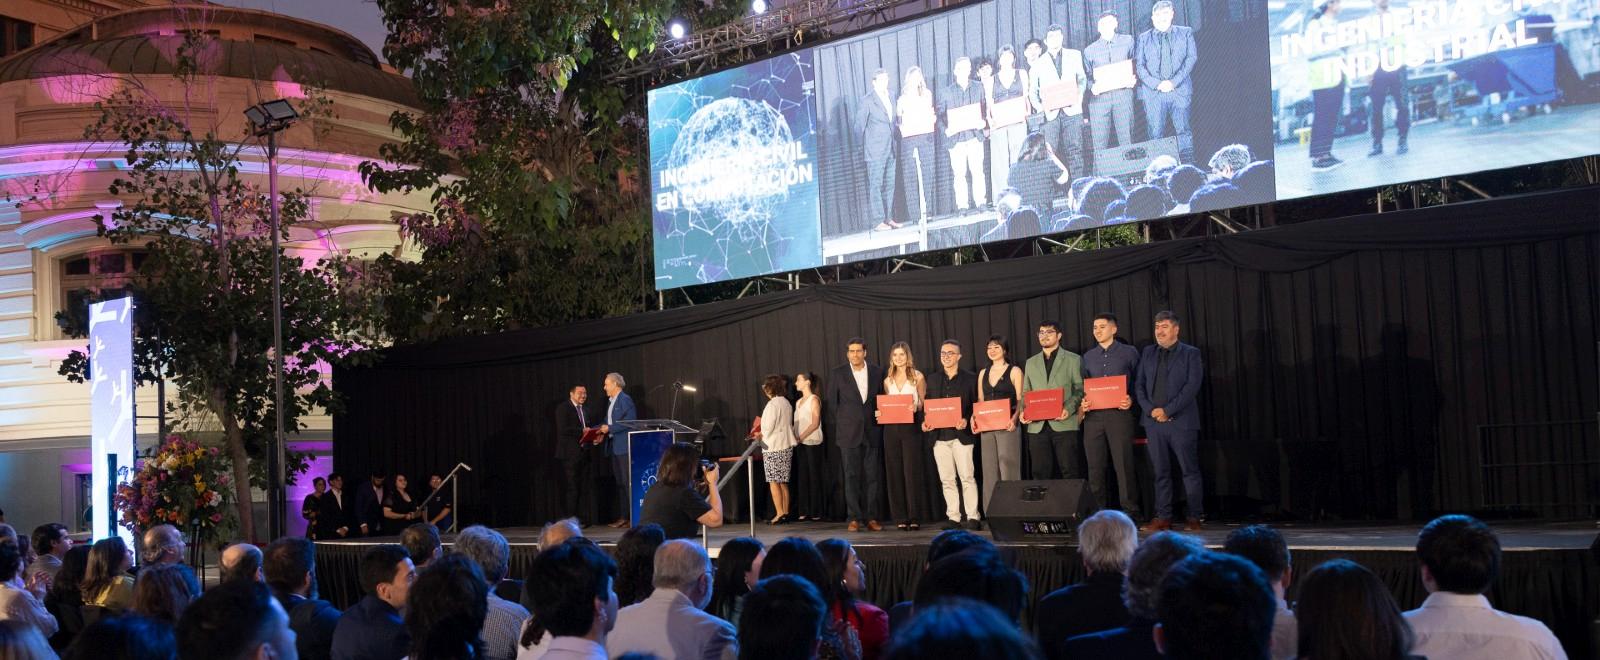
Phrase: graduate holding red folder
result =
(1053, 442)
(1109, 422)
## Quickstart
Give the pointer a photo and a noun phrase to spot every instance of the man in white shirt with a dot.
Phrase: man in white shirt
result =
(672, 623)
(1460, 559)
(573, 599)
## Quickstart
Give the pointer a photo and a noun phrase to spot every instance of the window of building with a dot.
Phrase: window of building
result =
(15, 35)
(92, 277)
(273, 40)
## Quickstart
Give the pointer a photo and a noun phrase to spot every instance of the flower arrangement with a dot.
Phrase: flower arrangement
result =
(181, 483)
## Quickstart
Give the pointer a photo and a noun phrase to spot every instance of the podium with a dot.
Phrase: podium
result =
(648, 439)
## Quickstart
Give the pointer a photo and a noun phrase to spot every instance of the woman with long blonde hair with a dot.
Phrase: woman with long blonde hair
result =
(903, 444)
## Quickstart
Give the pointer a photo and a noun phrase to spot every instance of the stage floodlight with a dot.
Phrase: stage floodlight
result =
(759, 6)
(676, 30)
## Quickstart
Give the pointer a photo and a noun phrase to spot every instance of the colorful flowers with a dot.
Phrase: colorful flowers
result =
(181, 483)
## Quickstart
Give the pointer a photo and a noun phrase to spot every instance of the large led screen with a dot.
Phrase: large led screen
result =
(1014, 118)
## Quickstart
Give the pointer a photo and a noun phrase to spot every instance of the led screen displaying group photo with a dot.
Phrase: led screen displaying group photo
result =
(1014, 118)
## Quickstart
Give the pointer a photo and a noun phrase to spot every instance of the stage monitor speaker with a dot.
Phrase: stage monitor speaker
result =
(1039, 509)
(1127, 163)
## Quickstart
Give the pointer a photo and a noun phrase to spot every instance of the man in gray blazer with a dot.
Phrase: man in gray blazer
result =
(672, 623)
(1164, 58)
(1063, 127)
(877, 148)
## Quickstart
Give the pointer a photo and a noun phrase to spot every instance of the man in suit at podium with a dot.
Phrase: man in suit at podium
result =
(1170, 372)
(853, 390)
(619, 410)
(577, 460)
(876, 132)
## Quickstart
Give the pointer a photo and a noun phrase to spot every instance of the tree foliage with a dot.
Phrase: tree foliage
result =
(539, 209)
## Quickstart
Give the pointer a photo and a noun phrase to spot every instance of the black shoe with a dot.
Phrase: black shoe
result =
(1377, 150)
(1326, 163)
(1402, 149)
(973, 525)
(950, 524)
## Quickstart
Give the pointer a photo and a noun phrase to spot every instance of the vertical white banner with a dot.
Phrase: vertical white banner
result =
(111, 408)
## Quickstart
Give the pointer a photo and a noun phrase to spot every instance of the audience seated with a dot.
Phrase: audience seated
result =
(947, 543)
(1098, 196)
(421, 541)
(1264, 546)
(164, 544)
(51, 542)
(961, 629)
(21, 641)
(1228, 161)
(290, 567)
(670, 622)
(556, 533)
(799, 557)
(636, 556)
(1214, 197)
(373, 629)
(1106, 541)
(106, 583)
(783, 620)
(235, 621)
(1214, 606)
(1181, 186)
(126, 637)
(240, 561)
(1115, 211)
(489, 550)
(1345, 613)
(1460, 559)
(161, 593)
(738, 566)
(573, 600)
(1149, 564)
(446, 609)
(847, 581)
(978, 574)
(1159, 167)
(1256, 182)
(25, 604)
(64, 600)
(1146, 202)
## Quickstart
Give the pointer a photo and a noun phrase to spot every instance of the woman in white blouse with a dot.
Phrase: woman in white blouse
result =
(810, 458)
(777, 431)
(903, 444)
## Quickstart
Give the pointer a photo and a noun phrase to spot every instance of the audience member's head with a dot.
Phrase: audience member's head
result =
(737, 569)
(290, 566)
(1263, 546)
(1146, 202)
(163, 544)
(126, 637)
(486, 547)
(1116, 210)
(7, 532)
(421, 541)
(571, 584)
(558, 532)
(1257, 183)
(636, 557)
(977, 574)
(1230, 160)
(1159, 166)
(235, 620)
(387, 574)
(1106, 540)
(162, 593)
(796, 556)
(109, 560)
(1098, 195)
(961, 629)
(683, 566)
(846, 575)
(51, 539)
(1214, 605)
(952, 541)
(1346, 613)
(1150, 563)
(20, 640)
(241, 561)
(1183, 182)
(445, 610)
(1214, 197)
(1075, 192)
(10, 561)
(781, 620)
(1459, 554)
(69, 580)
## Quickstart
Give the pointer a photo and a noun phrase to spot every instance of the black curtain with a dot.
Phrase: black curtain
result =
(1356, 368)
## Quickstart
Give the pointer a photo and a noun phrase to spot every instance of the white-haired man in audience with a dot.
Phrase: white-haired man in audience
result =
(1149, 565)
(672, 622)
(1229, 160)
(1106, 541)
(501, 628)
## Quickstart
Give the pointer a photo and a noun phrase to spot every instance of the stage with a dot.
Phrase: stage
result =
(1547, 571)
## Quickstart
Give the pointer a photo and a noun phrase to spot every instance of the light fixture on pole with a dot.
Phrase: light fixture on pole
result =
(678, 386)
(266, 120)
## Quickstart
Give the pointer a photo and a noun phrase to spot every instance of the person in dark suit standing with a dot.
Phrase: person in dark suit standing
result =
(1164, 57)
(1170, 373)
(369, 505)
(334, 515)
(853, 390)
(877, 149)
(620, 409)
(312, 506)
(577, 460)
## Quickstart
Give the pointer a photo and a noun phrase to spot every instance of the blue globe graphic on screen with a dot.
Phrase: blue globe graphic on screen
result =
(737, 152)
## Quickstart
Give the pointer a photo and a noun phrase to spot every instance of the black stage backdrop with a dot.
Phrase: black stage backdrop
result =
(1349, 362)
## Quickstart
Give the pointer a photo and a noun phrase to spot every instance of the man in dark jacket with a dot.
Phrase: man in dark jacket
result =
(853, 391)
(290, 566)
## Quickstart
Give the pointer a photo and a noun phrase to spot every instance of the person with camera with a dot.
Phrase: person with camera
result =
(676, 501)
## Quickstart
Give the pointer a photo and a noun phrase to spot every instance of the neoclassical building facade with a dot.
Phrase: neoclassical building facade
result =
(60, 58)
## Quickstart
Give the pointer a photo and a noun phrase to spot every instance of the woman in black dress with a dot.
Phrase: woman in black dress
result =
(399, 510)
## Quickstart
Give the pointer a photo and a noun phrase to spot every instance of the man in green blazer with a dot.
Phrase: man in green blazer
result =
(1055, 443)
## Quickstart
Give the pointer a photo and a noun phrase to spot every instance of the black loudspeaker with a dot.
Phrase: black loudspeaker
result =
(1126, 163)
(1039, 510)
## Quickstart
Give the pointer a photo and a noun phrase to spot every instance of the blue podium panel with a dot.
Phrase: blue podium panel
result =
(644, 454)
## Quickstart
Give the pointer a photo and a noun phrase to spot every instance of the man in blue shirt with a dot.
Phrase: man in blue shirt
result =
(374, 629)
(619, 410)
(1170, 373)
(1110, 431)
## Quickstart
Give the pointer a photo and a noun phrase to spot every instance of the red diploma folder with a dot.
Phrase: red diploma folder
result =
(1058, 95)
(592, 436)
(942, 413)
(1105, 393)
(992, 415)
(1042, 405)
(755, 427)
(896, 408)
